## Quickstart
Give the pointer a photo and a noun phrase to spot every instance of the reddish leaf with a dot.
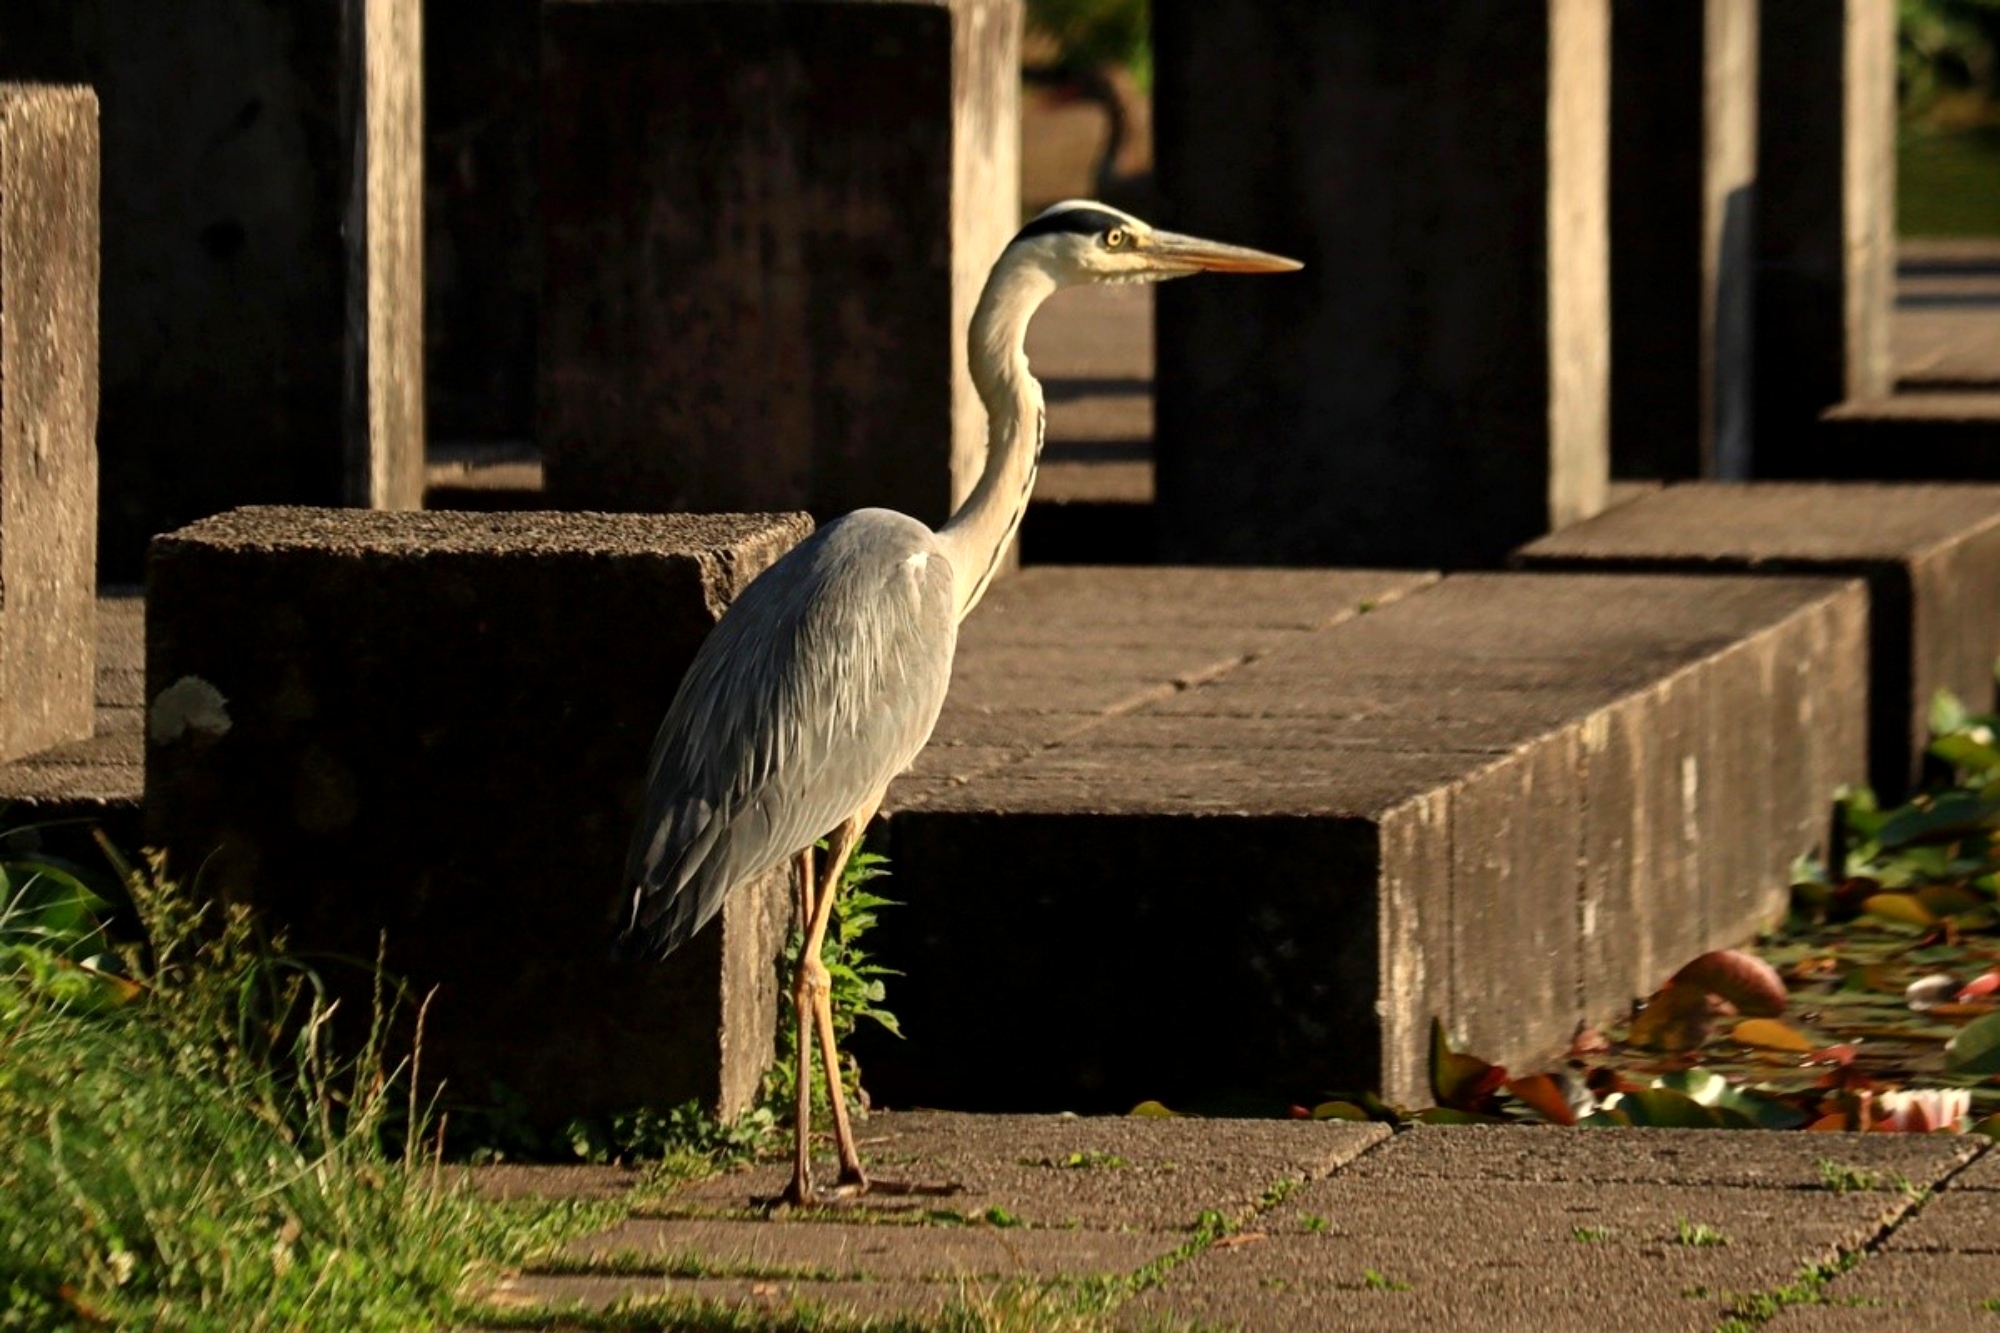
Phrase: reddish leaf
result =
(1743, 979)
(1833, 1055)
(1829, 1124)
(1459, 1081)
(1545, 1096)
(1298, 1113)
(1676, 1018)
(1979, 987)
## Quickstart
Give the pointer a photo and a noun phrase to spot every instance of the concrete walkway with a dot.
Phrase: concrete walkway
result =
(1134, 1223)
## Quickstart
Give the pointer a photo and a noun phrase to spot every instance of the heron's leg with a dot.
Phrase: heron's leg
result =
(800, 1190)
(839, 847)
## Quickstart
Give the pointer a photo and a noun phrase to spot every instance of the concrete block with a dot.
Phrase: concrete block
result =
(1911, 437)
(434, 727)
(1441, 169)
(262, 282)
(1930, 554)
(1683, 170)
(48, 414)
(1510, 802)
(765, 230)
(1826, 222)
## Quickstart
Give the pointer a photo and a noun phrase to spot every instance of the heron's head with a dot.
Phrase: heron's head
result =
(1080, 240)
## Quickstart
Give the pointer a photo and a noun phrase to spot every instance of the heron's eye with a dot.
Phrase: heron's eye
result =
(1115, 238)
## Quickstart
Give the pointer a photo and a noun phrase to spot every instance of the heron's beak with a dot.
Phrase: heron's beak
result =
(1191, 254)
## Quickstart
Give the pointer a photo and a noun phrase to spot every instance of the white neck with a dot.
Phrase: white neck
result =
(976, 537)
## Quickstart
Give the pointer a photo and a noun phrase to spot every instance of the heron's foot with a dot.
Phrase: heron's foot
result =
(912, 1189)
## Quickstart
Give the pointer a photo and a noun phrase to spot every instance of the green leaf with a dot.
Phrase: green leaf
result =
(1663, 1108)
(1947, 817)
(1947, 713)
(1965, 753)
(1975, 1049)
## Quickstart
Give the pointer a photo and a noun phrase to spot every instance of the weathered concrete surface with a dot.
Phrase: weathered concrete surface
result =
(1944, 334)
(97, 779)
(1483, 1228)
(1931, 555)
(1683, 173)
(1069, 1171)
(1432, 388)
(759, 269)
(434, 727)
(1943, 436)
(262, 290)
(1510, 802)
(48, 414)
(1825, 225)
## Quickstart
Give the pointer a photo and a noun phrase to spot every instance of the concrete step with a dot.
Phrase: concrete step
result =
(99, 779)
(1930, 554)
(1942, 436)
(1512, 802)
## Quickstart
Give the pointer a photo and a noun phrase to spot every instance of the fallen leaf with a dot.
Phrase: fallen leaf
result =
(1979, 987)
(1150, 1110)
(1743, 979)
(1771, 1035)
(1241, 1238)
(1841, 1054)
(1459, 1081)
(1976, 1047)
(1545, 1097)
(1676, 1018)
(1899, 907)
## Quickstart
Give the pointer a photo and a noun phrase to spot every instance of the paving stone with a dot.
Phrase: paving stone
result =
(1322, 1282)
(263, 283)
(1983, 1174)
(664, 221)
(1808, 1226)
(769, 1296)
(1960, 1220)
(1748, 1158)
(1172, 1170)
(1873, 1317)
(1931, 555)
(511, 1180)
(48, 414)
(1897, 1278)
(1307, 856)
(873, 1251)
(434, 728)
(1445, 350)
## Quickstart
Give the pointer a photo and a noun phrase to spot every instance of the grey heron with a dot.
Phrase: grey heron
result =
(823, 680)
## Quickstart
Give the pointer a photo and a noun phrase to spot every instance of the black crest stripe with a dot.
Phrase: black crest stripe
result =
(1083, 221)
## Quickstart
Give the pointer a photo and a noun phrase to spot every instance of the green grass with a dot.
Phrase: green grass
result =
(1948, 181)
(181, 1145)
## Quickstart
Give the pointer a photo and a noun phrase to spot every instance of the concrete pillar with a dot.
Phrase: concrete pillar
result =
(765, 229)
(1683, 173)
(263, 292)
(48, 415)
(356, 723)
(1826, 222)
(1432, 388)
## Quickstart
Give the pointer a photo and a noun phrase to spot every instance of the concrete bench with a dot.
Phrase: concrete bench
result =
(48, 414)
(1512, 802)
(1931, 555)
(433, 728)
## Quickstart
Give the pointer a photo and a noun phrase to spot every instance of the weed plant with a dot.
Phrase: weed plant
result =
(181, 1146)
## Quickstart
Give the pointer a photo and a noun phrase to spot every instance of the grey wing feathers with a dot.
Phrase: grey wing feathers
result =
(818, 686)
